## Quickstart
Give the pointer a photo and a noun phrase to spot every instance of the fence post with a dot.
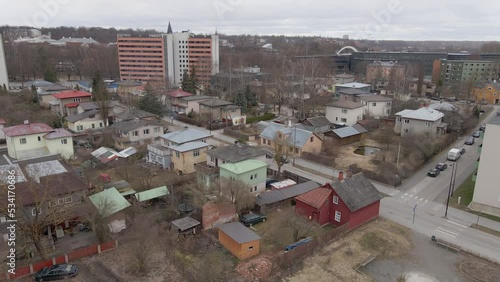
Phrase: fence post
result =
(53, 261)
(116, 243)
(31, 268)
(98, 248)
(66, 258)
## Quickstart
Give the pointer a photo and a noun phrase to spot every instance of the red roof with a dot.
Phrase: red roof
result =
(72, 105)
(315, 198)
(179, 93)
(72, 94)
(27, 129)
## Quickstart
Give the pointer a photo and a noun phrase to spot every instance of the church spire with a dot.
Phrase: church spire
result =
(169, 29)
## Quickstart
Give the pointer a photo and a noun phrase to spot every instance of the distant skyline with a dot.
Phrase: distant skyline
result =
(376, 20)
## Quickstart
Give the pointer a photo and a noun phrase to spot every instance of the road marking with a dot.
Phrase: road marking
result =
(458, 224)
(446, 232)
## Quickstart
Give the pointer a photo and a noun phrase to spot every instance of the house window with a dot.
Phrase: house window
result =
(60, 201)
(336, 200)
(93, 125)
(34, 211)
(407, 130)
(344, 111)
(296, 150)
(374, 104)
(92, 116)
(255, 188)
(79, 128)
(212, 159)
(100, 124)
(196, 153)
(39, 138)
(338, 216)
(255, 176)
(407, 121)
(22, 140)
(77, 100)
(388, 104)
(52, 204)
(146, 131)
(250, 248)
(428, 124)
(178, 155)
(68, 199)
(64, 141)
(135, 133)
(343, 120)
(157, 129)
(251, 177)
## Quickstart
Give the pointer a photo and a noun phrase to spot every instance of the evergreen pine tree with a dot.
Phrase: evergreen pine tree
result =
(150, 103)
(101, 96)
(186, 84)
(193, 80)
(250, 97)
(240, 99)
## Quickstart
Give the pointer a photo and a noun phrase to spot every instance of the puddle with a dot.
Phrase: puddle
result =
(366, 150)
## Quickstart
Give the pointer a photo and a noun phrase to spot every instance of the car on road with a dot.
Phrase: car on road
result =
(476, 134)
(441, 166)
(483, 127)
(56, 272)
(433, 172)
(469, 141)
(250, 219)
(462, 151)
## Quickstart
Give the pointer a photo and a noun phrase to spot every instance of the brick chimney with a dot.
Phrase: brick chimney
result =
(341, 175)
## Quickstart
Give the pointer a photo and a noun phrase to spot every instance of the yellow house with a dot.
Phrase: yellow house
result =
(32, 140)
(489, 92)
(185, 156)
(89, 120)
(296, 139)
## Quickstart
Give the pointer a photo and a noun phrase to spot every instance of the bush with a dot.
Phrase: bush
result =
(267, 116)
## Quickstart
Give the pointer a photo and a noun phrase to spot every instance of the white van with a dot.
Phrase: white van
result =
(454, 154)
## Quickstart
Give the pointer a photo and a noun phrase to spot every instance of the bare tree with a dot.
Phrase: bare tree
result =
(237, 193)
(299, 226)
(100, 227)
(282, 151)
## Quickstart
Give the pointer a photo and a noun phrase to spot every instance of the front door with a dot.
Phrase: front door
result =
(315, 216)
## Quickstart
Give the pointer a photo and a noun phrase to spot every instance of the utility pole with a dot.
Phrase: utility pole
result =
(454, 177)
(414, 211)
(399, 152)
(449, 194)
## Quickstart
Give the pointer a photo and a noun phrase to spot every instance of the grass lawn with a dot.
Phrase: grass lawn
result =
(466, 191)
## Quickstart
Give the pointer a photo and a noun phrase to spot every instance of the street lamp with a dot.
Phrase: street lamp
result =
(450, 189)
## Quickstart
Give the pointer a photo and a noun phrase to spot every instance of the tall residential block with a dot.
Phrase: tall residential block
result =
(165, 57)
(4, 77)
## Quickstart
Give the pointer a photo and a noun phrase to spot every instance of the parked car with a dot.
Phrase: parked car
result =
(270, 181)
(250, 219)
(56, 272)
(441, 166)
(433, 172)
(476, 134)
(470, 141)
(269, 155)
(462, 151)
(483, 127)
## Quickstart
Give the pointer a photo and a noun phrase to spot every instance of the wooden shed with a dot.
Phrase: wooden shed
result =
(239, 240)
(347, 135)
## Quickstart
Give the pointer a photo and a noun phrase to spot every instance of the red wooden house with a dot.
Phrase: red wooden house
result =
(352, 201)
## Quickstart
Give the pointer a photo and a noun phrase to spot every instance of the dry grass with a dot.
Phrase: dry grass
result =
(338, 260)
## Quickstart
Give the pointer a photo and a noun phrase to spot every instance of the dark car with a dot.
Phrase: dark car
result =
(433, 172)
(250, 219)
(482, 128)
(469, 141)
(476, 134)
(462, 151)
(56, 272)
(441, 166)
(270, 181)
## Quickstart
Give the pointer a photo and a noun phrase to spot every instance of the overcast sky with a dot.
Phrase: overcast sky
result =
(376, 19)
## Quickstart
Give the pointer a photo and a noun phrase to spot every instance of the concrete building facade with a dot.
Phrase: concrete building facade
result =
(486, 198)
(4, 76)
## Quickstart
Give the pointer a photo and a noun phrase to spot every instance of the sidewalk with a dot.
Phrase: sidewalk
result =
(470, 219)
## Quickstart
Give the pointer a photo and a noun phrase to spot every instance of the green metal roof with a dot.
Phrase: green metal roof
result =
(152, 193)
(128, 192)
(109, 202)
(243, 166)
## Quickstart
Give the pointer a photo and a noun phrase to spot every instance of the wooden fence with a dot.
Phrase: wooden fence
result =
(71, 256)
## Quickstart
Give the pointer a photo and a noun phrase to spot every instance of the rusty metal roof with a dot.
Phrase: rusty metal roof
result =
(58, 133)
(27, 129)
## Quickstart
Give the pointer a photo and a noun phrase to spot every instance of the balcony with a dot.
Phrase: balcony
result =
(159, 150)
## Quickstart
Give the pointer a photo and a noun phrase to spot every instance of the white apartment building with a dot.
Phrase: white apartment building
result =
(4, 76)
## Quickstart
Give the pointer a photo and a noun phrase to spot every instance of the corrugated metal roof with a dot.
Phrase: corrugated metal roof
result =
(356, 192)
(345, 132)
(81, 116)
(239, 233)
(27, 129)
(423, 113)
(185, 135)
(71, 94)
(296, 137)
(315, 198)
(109, 202)
(236, 153)
(179, 93)
(243, 166)
(186, 223)
(287, 193)
(58, 133)
(152, 194)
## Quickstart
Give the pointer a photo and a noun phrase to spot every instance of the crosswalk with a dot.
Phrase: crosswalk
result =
(450, 229)
(414, 199)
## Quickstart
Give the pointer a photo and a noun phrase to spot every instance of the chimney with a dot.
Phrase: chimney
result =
(26, 122)
(341, 175)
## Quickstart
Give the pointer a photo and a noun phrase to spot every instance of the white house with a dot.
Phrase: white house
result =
(422, 121)
(192, 102)
(87, 118)
(136, 132)
(32, 140)
(344, 112)
(376, 105)
(486, 198)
